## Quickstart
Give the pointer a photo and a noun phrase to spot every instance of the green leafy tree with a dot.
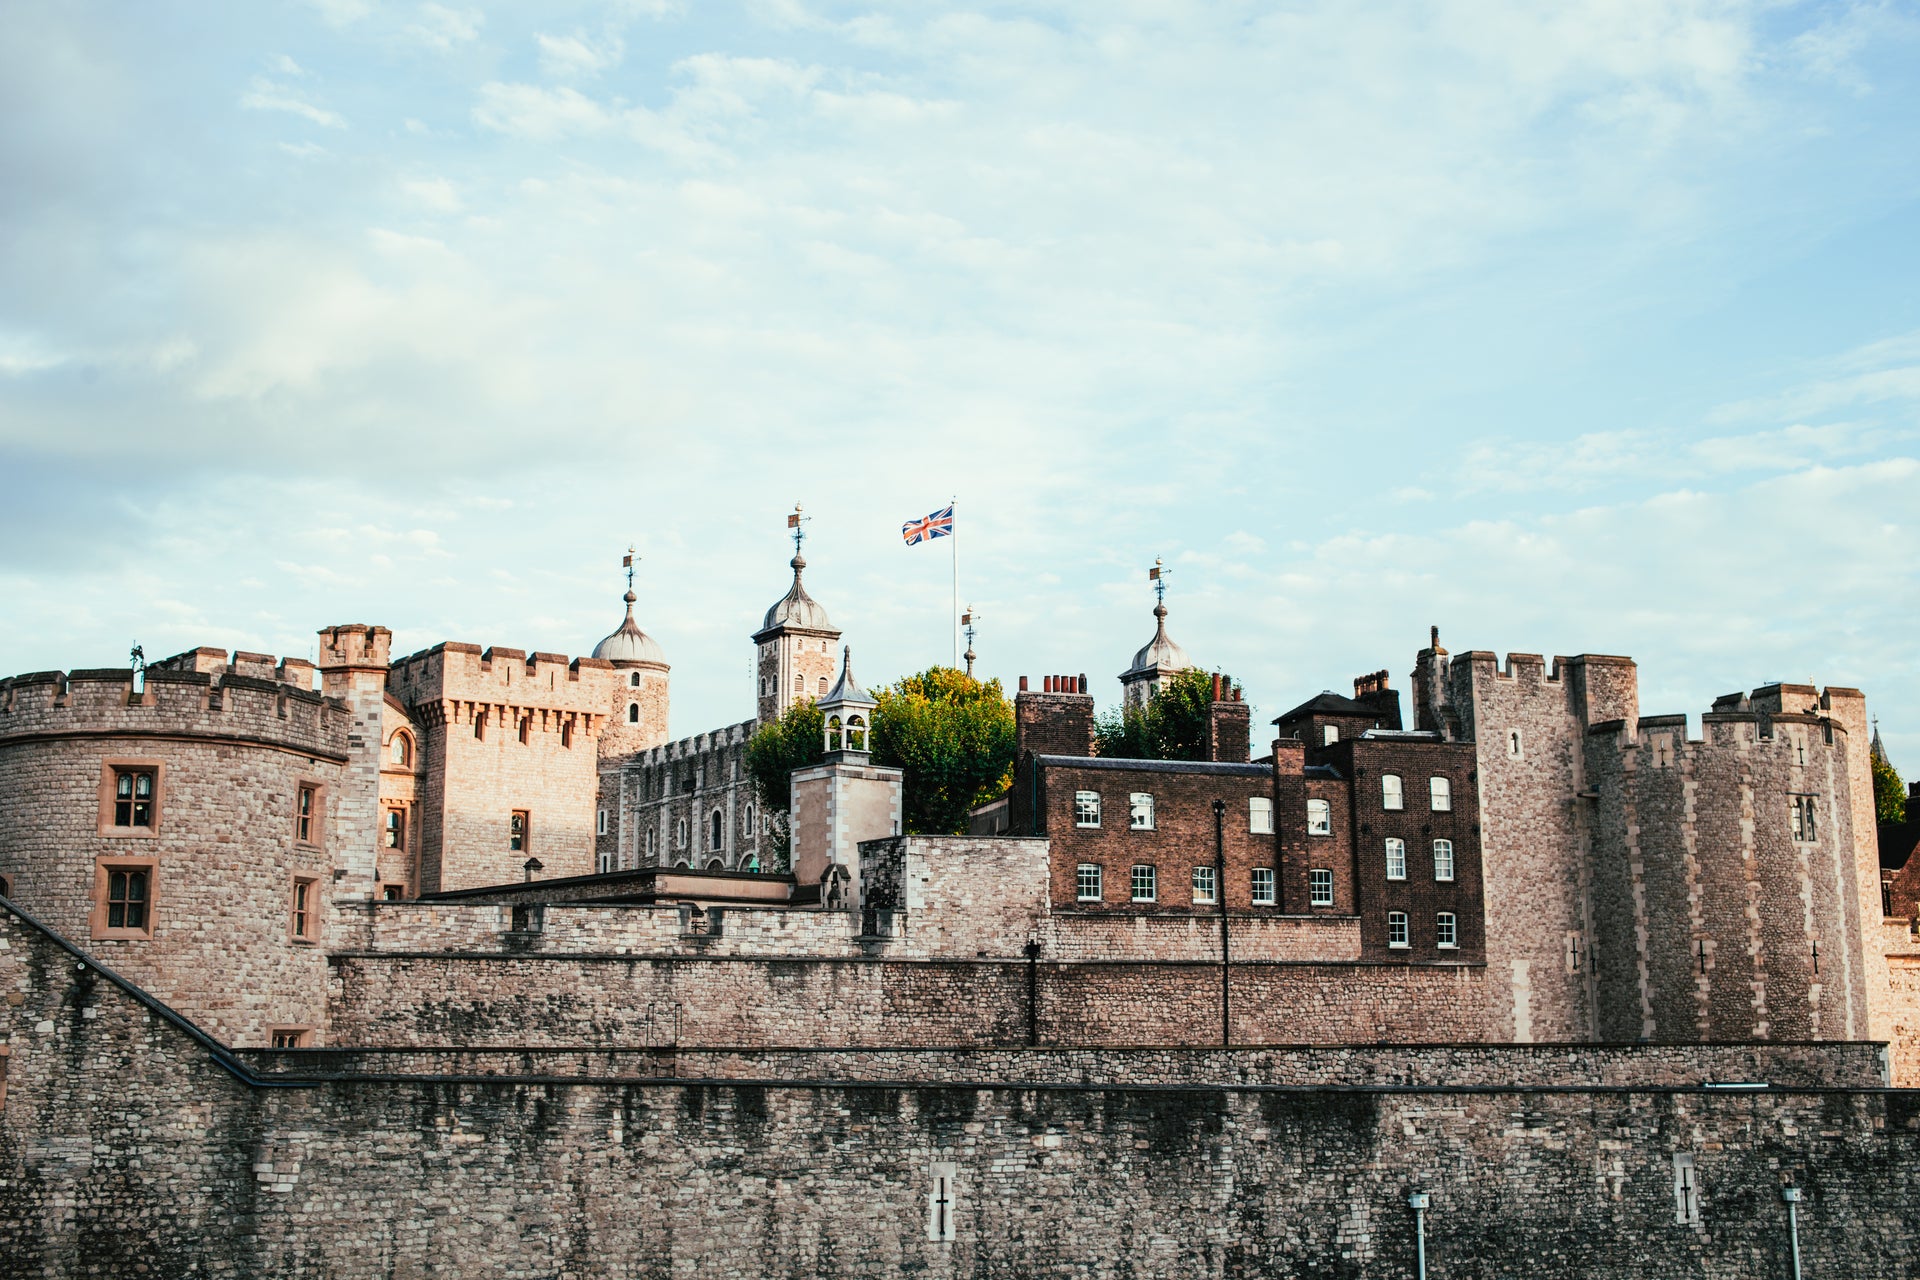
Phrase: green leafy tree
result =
(952, 736)
(794, 741)
(1171, 726)
(1889, 793)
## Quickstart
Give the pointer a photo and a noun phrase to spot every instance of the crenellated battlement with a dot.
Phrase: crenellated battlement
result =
(1746, 729)
(204, 693)
(538, 681)
(699, 744)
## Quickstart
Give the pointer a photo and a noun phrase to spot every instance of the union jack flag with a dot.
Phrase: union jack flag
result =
(938, 524)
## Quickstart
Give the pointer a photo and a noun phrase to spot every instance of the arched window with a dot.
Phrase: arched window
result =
(652, 835)
(746, 821)
(633, 713)
(823, 686)
(833, 733)
(1391, 796)
(856, 733)
(799, 683)
(716, 831)
(680, 834)
(634, 679)
(402, 750)
(716, 865)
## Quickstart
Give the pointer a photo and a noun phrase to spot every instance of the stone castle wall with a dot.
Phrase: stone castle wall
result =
(505, 731)
(1713, 920)
(229, 752)
(661, 801)
(561, 999)
(1534, 837)
(124, 1144)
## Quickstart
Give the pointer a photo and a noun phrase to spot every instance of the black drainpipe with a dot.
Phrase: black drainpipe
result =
(1220, 894)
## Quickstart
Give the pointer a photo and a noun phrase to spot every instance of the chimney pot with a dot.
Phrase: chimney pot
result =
(1023, 684)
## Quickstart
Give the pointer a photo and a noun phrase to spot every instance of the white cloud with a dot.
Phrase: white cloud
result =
(342, 13)
(266, 95)
(436, 195)
(571, 56)
(441, 28)
(537, 114)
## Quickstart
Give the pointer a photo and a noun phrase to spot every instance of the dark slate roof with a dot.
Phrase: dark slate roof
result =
(1216, 767)
(1322, 771)
(1330, 704)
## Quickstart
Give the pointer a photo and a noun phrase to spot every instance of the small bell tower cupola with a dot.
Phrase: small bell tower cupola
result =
(848, 713)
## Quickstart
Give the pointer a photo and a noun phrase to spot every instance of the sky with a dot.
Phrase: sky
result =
(1582, 327)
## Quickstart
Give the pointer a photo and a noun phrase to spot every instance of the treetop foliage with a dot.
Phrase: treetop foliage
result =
(1889, 792)
(950, 735)
(1171, 726)
(953, 737)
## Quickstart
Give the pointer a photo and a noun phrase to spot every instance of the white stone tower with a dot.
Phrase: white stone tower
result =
(1161, 658)
(638, 717)
(795, 643)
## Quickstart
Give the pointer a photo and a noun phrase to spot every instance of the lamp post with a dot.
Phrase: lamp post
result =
(1418, 1203)
(1792, 1196)
(1220, 896)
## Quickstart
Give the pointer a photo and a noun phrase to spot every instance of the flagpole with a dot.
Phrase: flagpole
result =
(954, 537)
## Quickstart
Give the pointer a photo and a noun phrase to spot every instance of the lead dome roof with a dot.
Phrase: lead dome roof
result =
(1162, 653)
(630, 644)
(797, 609)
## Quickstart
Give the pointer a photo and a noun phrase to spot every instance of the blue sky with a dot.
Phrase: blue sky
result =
(1591, 326)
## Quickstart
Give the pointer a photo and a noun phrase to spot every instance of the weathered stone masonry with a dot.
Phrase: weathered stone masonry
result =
(144, 1150)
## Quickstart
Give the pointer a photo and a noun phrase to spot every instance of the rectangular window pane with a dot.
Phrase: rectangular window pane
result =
(1443, 859)
(1086, 808)
(1320, 887)
(1263, 886)
(1260, 815)
(1319, 818)
(1396, 858)
(1441, 792)
(1145, 884)
(1140, 811)
(1396, 928)
(1390, 796)
(1203, 884)
(1086, 882)
(1443, 930)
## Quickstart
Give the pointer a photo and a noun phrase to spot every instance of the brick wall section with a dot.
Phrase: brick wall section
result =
(1421, 895)
(121, 1146)
(1303, 851)
(1181, 839)
(232, 751)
